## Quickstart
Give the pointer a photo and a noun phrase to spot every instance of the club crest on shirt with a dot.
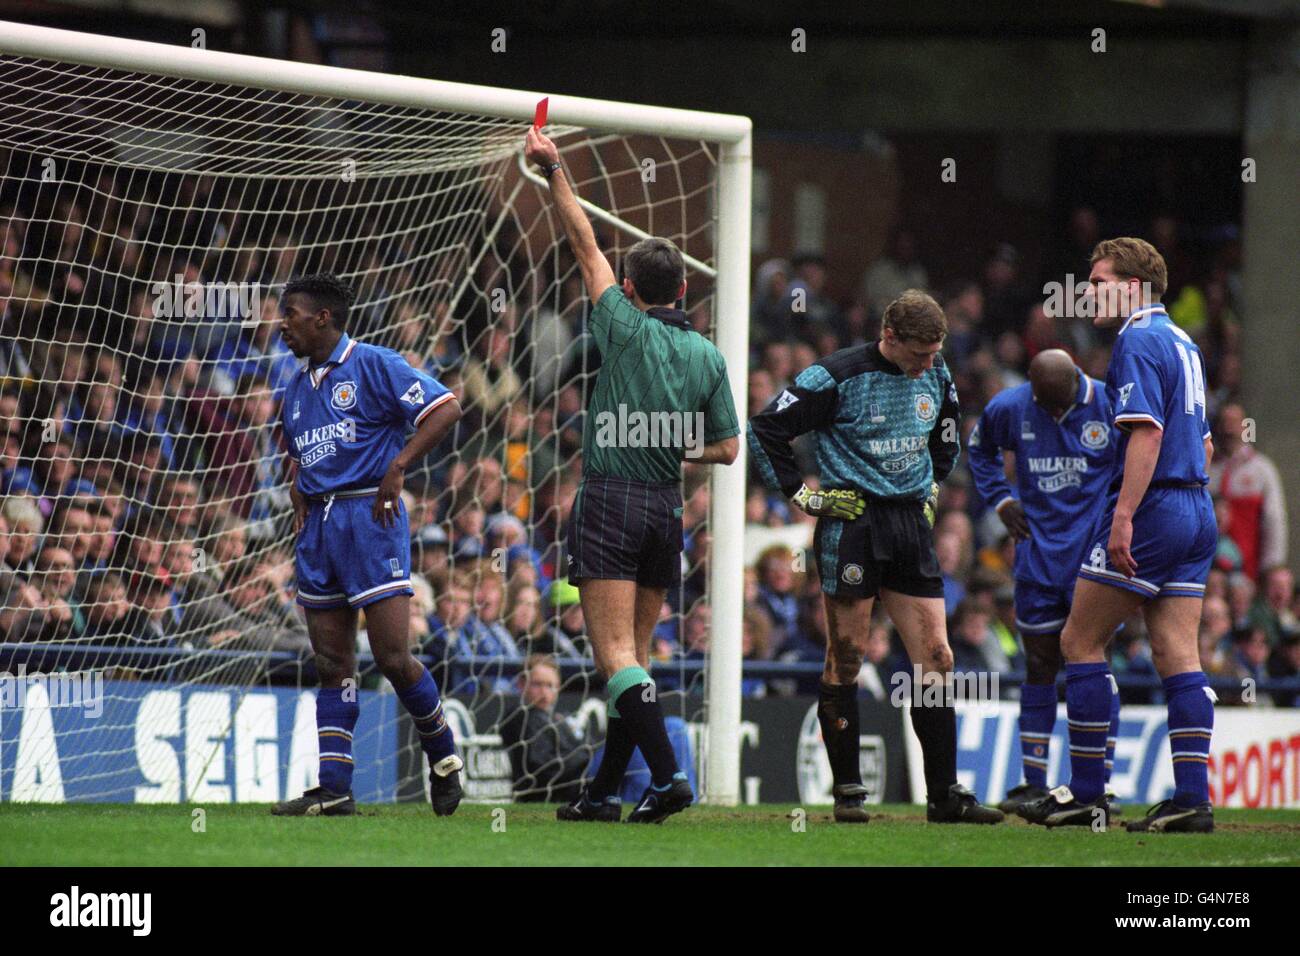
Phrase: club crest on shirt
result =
(344, 395)
(1095, 435)
(414, 395)
(877, 416)
(925, 407)
(1026, 430)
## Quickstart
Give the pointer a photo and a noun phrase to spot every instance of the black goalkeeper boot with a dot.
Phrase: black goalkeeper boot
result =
(959, 805)
(849, 799)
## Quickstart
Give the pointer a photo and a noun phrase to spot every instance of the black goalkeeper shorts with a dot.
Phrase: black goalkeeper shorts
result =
(891, 546)
(626, 530)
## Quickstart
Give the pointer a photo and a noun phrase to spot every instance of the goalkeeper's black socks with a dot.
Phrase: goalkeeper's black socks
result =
(613, 765)
(637, 704)
(935, 721)
(837, 712)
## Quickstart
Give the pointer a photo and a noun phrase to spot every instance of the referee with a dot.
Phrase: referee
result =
(885, 418)
(661, 396)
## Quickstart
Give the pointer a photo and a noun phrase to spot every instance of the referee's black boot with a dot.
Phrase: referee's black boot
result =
(317, 802)
(959, 805)
(849, 798)
(585, 809)
(655, 806)
(444, 785)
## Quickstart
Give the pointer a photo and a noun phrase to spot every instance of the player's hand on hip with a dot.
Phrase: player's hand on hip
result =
(1121, 540)
(1012, 513)
(389, 498)
(843, 503)
(539, 150)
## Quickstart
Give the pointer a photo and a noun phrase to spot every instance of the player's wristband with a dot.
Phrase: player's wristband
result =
(549, 171)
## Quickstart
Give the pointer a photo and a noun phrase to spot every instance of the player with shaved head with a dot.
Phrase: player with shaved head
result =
(1056, 427)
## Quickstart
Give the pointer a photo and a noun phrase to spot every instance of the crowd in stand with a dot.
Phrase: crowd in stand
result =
(142, 500)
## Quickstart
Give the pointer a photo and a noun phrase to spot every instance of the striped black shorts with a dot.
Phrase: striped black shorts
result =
(624, 530)
(891, 546)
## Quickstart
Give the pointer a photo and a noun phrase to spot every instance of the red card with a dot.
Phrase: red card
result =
(539, 117)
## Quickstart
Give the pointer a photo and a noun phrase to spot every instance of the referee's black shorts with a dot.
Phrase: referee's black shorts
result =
(625, 530)
(891, 546)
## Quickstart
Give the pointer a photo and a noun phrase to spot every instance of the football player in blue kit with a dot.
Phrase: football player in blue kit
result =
(1151, 549)
(1057, 428)
(346, 416)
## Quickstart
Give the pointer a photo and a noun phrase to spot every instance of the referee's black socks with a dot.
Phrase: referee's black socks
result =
(636, 704)
(613, 763)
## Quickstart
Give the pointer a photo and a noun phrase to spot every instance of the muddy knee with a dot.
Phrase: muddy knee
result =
(843, 661)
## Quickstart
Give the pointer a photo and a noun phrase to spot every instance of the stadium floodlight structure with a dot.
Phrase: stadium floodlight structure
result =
(138, 178)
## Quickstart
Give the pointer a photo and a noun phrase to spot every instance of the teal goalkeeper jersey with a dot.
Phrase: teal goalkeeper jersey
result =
(877, 430)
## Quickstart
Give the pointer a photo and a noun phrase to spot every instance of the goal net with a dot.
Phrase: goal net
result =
(151, 647)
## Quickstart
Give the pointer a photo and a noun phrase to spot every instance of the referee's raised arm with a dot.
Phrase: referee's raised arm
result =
(596, 272)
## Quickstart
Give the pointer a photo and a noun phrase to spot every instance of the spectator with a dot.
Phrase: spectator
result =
(1284, 664)
(770, 312)
(1272, 612)
(568, 630)
(898, 270)
(776, 592)
(1249, 661)
(547, 753)
(1248, 480)
(1215, 636)
(975, 648)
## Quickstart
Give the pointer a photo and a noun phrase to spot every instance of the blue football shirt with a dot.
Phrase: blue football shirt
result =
(1063, 469)
(345, 421)
(1156, 375)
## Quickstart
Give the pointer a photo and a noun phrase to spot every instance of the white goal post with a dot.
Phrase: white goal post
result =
(729, 133)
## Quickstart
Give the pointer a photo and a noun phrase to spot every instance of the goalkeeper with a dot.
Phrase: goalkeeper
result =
(624, 537)
(885, 416)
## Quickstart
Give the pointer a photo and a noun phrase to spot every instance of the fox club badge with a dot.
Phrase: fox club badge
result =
(344, 395)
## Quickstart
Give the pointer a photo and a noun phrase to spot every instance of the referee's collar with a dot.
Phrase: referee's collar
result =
(670, 316)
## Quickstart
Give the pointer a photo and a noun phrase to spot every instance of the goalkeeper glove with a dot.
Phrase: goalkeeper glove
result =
(844, 504)
(932, 504)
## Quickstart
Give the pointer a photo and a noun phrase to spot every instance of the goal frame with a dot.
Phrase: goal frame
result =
(733, 136)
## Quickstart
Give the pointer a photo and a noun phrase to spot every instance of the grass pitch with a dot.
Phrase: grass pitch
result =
(525, 835)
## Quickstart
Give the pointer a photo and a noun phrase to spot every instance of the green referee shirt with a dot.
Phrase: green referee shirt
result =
(661, 394)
